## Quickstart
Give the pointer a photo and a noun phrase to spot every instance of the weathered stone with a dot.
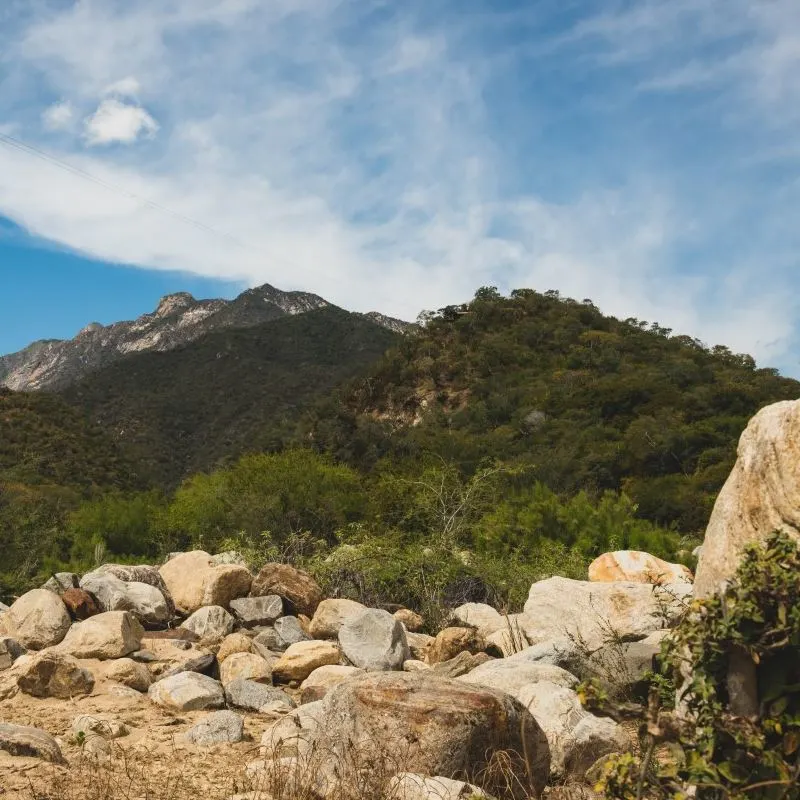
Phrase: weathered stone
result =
(564, 653)
(323, 679)
(419, 644)
(248, 666)
(300, 592)
(513, 676)
(195, 662)
(452, 641)
(60, 582)
(10, 651)
(140, 573)
(595, 613)
(509, 638)
(51, 674)
(477, 615)
(331, 615)
(209, 623)
(144, 601)
(761, 495)
(252, 696)
(234, 643)
(20, 740)
(412, 621)
(98, 725)
(220, 727)
(187, 691)
(462, 664)
(410, 786)
(37, 620)
(173, 635)
(285, 631)
(129, 673)
(374, 640)
(113, 634)
(194, 581)
(251, 612)
(412, 665)
(637, 567)
(592, 738)
(302, 658)
(292, 734)
(443, 728)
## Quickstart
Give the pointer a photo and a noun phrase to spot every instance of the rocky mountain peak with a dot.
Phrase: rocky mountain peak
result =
(173, 303)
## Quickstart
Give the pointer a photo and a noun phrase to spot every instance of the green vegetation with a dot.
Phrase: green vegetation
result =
(741, 652)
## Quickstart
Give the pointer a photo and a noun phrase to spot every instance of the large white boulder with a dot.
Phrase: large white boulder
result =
(113, 634)
(37, 620)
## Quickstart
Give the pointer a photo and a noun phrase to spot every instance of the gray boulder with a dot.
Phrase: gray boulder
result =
(285, 631)
(61, 581)
(221, 727)
(252, 696)
(145, 601)
(252, 612)
(21, 740)
(10, 651)
(374, 640)
(210, 622)
(187, 691)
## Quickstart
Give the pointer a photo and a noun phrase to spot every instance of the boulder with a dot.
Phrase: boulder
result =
(300, 592)
(412, 621)
(761, 495)
(144, 601)
(419, 644)
(37, 620)
(253, 612)
(80, 604)
(622, 667)
(410, 786)
(323, 679)
(284, 632)
(245, 665)
(194, 581)
(510, 637)
(478, 615)
(302, 658)
(209, 623)
(60, 582)
(201, 662)
(252, 696)
(331, 615)
(292, 734)
(129, 673)
(463, 663)
(513, 676)
(10, 651)
(637, 567)
(412, 665)
(140, 573)
(436, 727)
(234, 643)
(187, 691)
(52, 674)
(374, 640)
(564, 653)
(113, 634)
(21, 740)
(449, 642)
(220, 727)
(592, 738)
(595, 613)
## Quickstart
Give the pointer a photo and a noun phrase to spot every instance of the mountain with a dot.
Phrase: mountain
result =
(231, 391)
(179, 319)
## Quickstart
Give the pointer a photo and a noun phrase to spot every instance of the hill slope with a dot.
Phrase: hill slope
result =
(229, 392)
(592, 402)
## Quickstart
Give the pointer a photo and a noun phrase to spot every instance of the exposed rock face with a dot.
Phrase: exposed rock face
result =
(37, 620)
(761, 495)
(374, 640)
(560, 608)
(51, 674)
(179, 319)
(221, 727)
(194, 581)
(331, 615)
(21, 740)
(113, 634)
(301, 659)
(187, 691)
(435, 727)
(300, 592)
(637, 567)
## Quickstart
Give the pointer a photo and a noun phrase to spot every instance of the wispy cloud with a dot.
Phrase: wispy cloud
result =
(397, 156)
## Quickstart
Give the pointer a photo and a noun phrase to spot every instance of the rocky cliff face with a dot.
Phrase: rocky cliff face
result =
(179, 319)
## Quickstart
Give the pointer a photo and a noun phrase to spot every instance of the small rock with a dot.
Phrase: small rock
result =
(202, 663)
(248, 666)
(255, 611)
(113, 634)
(234, 643)
(374, 640)
(331, 615)
(251, 696)
(144, 656)
(412, 665)
(323, 679)
(209, 622)
(412, 621)
(104, 726)
(300, 592)
(462, 664)
(302, 658)
(187, 691)
(37, 620)
(451, 641)
(129, 673)
(221, 727)
(52, 674)
(20, 740)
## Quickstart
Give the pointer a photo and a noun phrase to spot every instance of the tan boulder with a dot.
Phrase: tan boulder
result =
(761, 495)
(302, 658)
(37, 620)
(419, 644)
(248, 666)
(113, 634)
(331, 614)
(410, 786)
(412, 621)
(478, 615)
(234, 643)
(299, 591)
(194, 580)
(51, 674)
(452, 641)
(323, 679)
(637, 567)
(21, 740)
(129, 673)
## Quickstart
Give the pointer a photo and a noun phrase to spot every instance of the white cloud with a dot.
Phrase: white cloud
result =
(58, 116)
(127, 87)
(118, 122)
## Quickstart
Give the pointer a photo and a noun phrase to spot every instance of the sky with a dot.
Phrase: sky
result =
(396, 156)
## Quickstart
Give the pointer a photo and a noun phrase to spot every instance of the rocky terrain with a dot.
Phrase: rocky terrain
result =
(178, 319)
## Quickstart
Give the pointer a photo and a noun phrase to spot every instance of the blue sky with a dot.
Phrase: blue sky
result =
(396, 156)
